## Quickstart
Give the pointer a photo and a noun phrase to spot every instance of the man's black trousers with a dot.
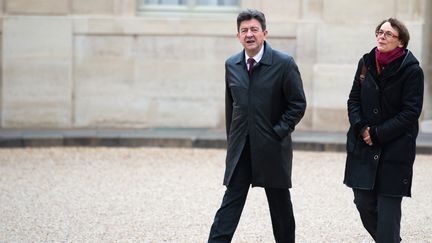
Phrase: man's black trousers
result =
(228, 215)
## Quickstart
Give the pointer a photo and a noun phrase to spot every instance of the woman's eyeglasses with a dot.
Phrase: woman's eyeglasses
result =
(387, 34)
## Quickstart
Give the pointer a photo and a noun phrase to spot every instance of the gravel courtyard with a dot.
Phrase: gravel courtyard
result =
(83, 194)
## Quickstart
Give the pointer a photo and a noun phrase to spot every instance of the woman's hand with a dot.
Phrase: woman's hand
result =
(366, 136)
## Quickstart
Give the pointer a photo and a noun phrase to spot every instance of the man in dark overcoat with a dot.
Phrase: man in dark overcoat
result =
(264, 102)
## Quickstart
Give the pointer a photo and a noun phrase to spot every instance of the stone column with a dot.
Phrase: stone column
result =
(426, 124)
(311, 17)
(36, 73)
(1, 63)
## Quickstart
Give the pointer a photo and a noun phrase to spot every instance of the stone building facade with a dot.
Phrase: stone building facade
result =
(136, 64)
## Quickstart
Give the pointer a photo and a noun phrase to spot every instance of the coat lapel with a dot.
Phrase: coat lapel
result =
(265, 61)
(241, 68)
(267, 58)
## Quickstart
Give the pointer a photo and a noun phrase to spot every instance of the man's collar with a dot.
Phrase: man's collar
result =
(266, 57)
(258, 56)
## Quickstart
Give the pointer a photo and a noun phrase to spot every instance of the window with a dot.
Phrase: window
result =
(165, 2)
(189, 5)
(218, 2)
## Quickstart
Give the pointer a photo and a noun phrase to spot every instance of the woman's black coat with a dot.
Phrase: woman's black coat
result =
(391, 104)
(266, 107)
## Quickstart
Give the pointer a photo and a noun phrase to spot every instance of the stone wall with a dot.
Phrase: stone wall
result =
(427, 67)
(332, 35)
(101, 63)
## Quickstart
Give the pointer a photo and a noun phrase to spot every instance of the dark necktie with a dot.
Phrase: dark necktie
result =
(250, 62)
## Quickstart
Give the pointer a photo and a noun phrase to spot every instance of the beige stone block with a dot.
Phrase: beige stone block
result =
(339, 44)
(256, 4)
(417, 40)
(185, 48)
(185, 113)
(337, 11)
(427, 102)
(331, 85)
(190, 64)
(307, 41)
(93, 7)
(174, 27)
(105, 94)
(312, 9)
(183, 66)
(126, 81)
(37, 36)
(1, 78)
(411, 9)
(205, 81)
(307, 75)
(276, 10)
(282, 30)
(36, 93)
(108, 108)
(37, 6)
(125, 7)
(426, 126)
(113, 46)
(37, 86)
(330, 120)
(149, 26)
(108, 96)
(427, 47)
(287, 45)
(111, 76)
(306, 122)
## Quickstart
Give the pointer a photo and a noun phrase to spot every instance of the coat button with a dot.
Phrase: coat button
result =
(376, 157)
(375, 111)
(405, 181)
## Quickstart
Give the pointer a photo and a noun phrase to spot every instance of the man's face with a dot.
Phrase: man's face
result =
(251, 36)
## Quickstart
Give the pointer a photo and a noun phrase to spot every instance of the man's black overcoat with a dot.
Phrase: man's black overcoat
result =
(266, 107)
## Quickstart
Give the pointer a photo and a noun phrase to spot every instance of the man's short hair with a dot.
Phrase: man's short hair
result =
(249, 14)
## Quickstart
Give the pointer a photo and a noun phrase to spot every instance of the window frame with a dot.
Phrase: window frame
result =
(190, 7)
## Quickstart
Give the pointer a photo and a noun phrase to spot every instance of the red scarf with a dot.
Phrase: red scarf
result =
(384, 58)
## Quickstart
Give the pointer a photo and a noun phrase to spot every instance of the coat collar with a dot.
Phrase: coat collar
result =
(265, 60)
(394, 67)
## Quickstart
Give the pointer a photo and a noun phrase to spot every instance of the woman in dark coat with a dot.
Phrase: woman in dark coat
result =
(384, 107)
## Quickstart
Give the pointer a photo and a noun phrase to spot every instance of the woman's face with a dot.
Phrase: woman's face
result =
(387, 38)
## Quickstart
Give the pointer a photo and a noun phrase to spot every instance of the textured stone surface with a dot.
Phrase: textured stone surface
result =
(37, 7)
(37, 64)
(171, 195)
(106, 63)
(336, 11)
(92, 7)
(149, 81)
(339, 44)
